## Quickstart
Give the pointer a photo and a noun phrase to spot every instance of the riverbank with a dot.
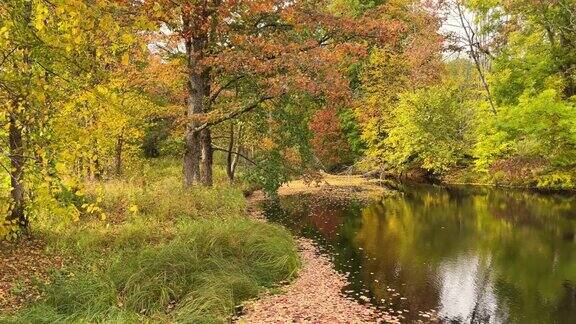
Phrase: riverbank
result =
(315, 296)
(339, 186)
(162, 254)
(513, 177)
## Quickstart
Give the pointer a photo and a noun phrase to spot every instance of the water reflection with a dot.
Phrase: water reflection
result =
(467, 290)
(469, 254)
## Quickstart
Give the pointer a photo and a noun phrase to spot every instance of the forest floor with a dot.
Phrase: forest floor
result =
(315, 296)
(23, 266)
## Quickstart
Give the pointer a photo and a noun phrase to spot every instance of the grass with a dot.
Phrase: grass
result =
(186, 256)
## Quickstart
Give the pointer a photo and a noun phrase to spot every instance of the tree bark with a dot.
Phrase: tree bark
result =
(232, 156)
(207, 157)
(196, 87)
(98, 172)
(235, 162)
(568, 68)
(192, 156)
(16, 144)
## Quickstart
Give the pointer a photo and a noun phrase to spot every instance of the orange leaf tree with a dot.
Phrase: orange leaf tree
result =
(244, 54)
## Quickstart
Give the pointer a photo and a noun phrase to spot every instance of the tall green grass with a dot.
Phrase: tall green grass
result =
(209, 266)
(186, 256)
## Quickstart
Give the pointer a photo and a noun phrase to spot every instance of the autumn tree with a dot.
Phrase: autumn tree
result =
(533, 81)
(49, 50)
(413, 62)
(263, 51)
(329, 139)
(534, 41)
(472, 39)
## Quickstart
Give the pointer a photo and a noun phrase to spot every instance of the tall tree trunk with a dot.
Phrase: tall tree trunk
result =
(232, 156)
(98, 172)
(16, 144)
(94, 168)
(568, 68)
(197, 85)
(198, 143)
(235, 161)
(192, 158)
(194, 142)
(207, 157)
(118, 157)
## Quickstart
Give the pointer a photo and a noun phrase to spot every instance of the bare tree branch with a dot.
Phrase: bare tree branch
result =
(5, 58)
(471, 36)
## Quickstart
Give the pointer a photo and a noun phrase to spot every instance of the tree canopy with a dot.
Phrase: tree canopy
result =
(273, 89)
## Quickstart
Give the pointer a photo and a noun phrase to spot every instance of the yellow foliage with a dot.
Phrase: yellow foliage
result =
(268, 144)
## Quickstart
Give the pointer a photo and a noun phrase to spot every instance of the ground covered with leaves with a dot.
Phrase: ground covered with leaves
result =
(314, 297)
(338, 187)
(24, 265)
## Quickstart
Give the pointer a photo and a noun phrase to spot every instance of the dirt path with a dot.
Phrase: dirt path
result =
(316, 295)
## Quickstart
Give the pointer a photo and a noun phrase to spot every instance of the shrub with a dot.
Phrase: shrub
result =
(432, 128)
(539, 128)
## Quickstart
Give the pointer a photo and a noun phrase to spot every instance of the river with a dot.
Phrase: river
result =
(459, 254)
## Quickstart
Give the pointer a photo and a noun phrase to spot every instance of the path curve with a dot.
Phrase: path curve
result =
(314, 297)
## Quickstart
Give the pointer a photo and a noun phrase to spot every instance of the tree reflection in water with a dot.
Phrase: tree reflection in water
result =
(471, 254)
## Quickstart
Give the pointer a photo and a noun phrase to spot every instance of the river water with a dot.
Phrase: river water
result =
(459, 254)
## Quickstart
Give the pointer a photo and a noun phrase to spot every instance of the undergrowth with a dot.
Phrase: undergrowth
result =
(164, 254)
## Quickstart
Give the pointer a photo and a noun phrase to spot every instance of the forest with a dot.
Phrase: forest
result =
(132, 133)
